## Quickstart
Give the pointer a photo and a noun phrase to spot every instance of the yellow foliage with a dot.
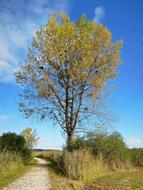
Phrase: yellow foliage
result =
(68, 64)
(83, 46)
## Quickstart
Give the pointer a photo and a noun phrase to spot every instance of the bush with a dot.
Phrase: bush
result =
(81, 165)
(12, 142)
(77, 144)
(137, 156)
(113, 149)
(110, 146)
(26, 155)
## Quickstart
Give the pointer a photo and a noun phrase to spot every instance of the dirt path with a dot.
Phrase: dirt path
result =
(35, 179)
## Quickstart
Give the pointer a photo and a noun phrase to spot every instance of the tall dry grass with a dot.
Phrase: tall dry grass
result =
(8, 162)
(81, 165)
(51, 154)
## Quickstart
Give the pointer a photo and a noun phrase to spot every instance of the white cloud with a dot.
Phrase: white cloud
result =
(4, 66)
(134, 142)
(8, 62)
(5, 52)
(18, 22)
(99, 14)
(4, 117)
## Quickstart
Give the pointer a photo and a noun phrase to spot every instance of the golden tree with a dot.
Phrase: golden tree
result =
(67, 66)
(30, 137)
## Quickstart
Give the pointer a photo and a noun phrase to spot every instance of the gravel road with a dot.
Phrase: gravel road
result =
(35, 179)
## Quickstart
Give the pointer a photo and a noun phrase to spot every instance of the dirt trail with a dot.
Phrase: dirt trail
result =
(35, 179)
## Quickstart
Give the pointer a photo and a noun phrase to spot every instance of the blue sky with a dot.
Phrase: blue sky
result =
(18, 22)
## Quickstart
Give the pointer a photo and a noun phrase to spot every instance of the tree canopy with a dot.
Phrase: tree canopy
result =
(30, 137)
(67, 66)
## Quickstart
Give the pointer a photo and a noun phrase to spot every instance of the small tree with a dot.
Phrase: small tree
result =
(12, 142)
(15, 143)
(30, 137)
(67, 66)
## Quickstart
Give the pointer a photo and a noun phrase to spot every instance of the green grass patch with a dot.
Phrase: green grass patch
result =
(125, 180)
(15, 173)
(129, 179)
(9, 177)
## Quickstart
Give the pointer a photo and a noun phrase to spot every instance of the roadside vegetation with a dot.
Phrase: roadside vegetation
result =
(96, 161)
(8, 162)
(15, 157)
(11, 167)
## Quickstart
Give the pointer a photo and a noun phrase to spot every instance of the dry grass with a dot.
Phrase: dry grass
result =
(81, 165)
(47, 154)
(12, 167)
(79, 170)
(60, 182)
(71, 170)
(121, 180)
(8, 162)
(78, 167)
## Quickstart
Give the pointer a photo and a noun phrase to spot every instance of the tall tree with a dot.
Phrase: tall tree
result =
(67, 66)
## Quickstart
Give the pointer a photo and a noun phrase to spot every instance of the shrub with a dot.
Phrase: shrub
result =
(137, 156)
(26, 155)
(15, 143)
(110, 146)
(80, 164)
(78, 143)
(113, 149)
(12, 142)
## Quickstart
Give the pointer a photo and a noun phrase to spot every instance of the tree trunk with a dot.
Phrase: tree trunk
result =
(69, 141)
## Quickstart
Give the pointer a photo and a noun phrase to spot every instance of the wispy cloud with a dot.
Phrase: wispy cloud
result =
(8, 61)
(99, 14)
(134, 142)
(18, 22)
(4, 117)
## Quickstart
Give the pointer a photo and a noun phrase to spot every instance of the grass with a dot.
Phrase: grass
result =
(9, 161)
(76, 165)
(80, 163)
(60, 182)
(121, 180)
(47, 154)
(12, 167)
(118, 180)
(70, 170)
(129, 179)
(57, 179)
(12, 175)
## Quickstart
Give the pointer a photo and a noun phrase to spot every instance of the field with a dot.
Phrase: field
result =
(123, 180)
